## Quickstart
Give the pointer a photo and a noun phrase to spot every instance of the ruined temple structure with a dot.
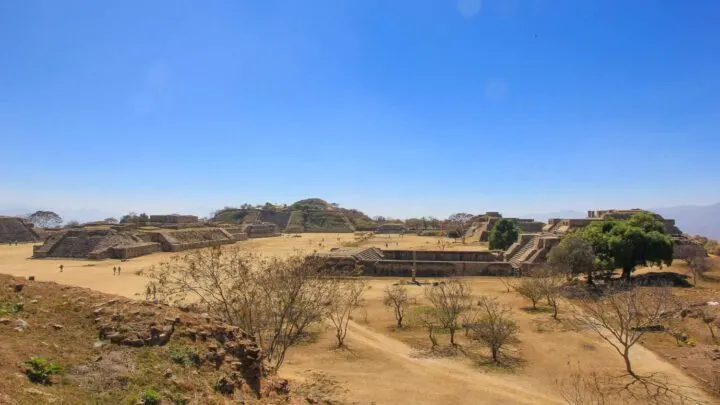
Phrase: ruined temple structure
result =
(563, 225)
(403, 263)
(167, 233)
(13, 229)
(481, 226)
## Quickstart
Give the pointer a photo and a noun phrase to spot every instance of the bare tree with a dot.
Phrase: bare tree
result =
(396, 297)
(622, 317)
(699, 265)
(460, 223)
(709, 317)
(550, 282)
(274, 299)
(45, 219)
(530, 288)
(494, 326)
(428, 318)
(449, 299)
(345, 296)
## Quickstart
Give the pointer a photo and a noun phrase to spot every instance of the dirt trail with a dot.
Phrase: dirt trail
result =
(481, 388)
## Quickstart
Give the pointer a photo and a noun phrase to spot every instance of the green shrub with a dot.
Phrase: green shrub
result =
(150, 397)
(185, 355)
(39, 370)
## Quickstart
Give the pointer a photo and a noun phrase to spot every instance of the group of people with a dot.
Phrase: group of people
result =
(116, 270)
(13, 242)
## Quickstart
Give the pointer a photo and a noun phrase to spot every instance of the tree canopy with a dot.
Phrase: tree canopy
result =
(45, 219)
(133, 217)
(627, 244)
(573, 256)
(504, 234)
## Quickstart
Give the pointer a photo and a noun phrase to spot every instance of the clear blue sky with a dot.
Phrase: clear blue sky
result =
(398, 108)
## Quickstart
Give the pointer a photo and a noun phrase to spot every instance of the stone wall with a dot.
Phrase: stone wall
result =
(128, 252)
(173, 219)
(403, 268)
(261, 230)
(442, 255)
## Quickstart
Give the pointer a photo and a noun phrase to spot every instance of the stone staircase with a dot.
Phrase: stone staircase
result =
(519, 255)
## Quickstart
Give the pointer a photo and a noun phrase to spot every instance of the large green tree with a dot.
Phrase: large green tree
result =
(638, 241)
(504, 233)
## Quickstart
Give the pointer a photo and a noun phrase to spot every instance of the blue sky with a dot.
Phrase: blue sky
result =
(399, 108)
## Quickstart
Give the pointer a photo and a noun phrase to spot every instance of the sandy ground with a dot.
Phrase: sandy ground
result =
(383, 365)
(98, 274)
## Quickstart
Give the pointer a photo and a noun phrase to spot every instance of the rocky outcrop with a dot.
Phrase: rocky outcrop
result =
(223, 347)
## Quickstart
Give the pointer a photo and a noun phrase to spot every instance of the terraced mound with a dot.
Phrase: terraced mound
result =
(94, 244)
(16, 230)
(310, 215)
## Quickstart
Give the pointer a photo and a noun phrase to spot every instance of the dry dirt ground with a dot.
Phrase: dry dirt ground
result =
(383, 365)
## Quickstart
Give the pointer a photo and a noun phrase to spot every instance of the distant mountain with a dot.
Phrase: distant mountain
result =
(694, 219)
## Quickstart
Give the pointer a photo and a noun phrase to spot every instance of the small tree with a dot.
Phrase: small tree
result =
(396, 297)
(550, 283)
(110, 221)
(273, 299)
(459, 223)
(449, 299)
(698, 266)
(573, 256)
(494, 326)
(428, 318)
(623, 317)
(45, 219)
(504, 233)
(530, 288)
(709, 317)
(345, 296)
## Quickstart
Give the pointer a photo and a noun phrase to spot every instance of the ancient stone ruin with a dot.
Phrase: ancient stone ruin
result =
(13, 229)
(177, 233)
(482, 225)
(421, 263)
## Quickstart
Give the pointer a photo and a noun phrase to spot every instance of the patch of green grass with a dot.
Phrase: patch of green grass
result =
(39, 370)
(150, 397)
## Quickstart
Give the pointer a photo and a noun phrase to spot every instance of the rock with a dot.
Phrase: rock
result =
(117, 317)
(4, 321)
(99, 311)
(134, 342)
(280, 386)
(225, 386)
(20, 325)
(31, 278)
(116, 337)
(205, 316)
(98, 344)
(19, 287)
(168, 373)
(33, 301)
(56, 326)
